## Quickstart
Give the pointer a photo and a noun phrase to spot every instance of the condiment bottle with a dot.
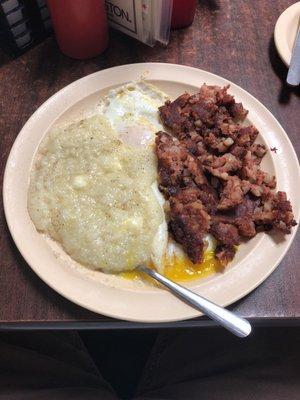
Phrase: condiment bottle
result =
(183, 13)
(80, 26)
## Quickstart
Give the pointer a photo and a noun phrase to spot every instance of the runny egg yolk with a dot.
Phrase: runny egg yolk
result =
(180, 269)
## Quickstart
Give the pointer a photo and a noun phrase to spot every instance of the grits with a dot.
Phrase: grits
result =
(92, 193)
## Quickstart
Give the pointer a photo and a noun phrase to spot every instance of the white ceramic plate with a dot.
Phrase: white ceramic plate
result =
(115, 296)
(285, 32)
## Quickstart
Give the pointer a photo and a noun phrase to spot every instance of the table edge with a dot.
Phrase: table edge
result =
(127, 326)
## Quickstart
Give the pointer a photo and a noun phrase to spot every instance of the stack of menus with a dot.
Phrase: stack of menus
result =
(148, 21)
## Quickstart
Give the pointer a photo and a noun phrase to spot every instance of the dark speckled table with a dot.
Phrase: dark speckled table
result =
(232, 38)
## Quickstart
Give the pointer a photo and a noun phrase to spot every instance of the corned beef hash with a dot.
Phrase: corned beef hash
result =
(209, 171)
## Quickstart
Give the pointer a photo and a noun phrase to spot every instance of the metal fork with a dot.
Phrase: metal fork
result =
(235, 324)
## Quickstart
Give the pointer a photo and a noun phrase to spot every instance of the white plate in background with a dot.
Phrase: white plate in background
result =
(285, 32)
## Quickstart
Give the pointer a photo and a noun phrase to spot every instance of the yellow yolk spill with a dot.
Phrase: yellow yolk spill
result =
(180, 268)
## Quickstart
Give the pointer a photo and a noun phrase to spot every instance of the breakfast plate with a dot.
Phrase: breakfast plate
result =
(113, 295)
(285, 32)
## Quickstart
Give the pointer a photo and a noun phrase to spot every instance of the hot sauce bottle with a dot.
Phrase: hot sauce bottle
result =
(80, 26)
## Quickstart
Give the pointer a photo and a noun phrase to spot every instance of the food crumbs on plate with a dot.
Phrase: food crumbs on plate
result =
(181, 269)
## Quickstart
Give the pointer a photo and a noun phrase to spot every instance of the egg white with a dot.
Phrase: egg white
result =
(132, 111)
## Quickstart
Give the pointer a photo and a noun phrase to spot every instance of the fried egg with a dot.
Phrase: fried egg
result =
(132, 111)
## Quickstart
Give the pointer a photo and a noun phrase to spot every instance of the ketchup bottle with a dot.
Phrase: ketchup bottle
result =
(80, 26)
(183, 13)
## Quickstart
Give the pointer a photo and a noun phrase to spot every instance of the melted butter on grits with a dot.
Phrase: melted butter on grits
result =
(92, 193)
